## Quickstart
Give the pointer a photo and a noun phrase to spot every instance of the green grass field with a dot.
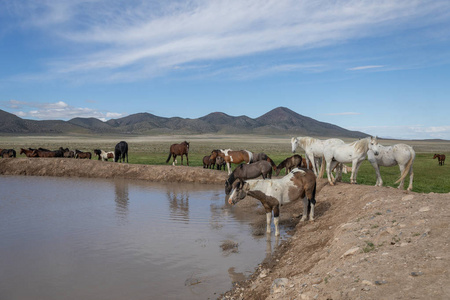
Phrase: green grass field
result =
(428, 175)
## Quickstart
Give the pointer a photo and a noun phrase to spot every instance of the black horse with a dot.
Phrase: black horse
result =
(120, 152)
(8, 153)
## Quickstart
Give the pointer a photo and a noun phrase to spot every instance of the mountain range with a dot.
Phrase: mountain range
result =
(278, 121)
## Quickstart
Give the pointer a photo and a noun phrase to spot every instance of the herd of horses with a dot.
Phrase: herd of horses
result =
(301, 173)
(119, 154)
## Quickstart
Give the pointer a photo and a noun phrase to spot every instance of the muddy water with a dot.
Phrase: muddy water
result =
(75, 238)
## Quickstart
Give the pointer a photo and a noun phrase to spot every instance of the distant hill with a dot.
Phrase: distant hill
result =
(278, 121)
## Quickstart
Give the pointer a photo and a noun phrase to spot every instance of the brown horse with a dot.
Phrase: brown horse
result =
(41, 153)
(83, 155)
(295, 161)
(235, 157)
(27, 152)
(441, 158)
(179, 149)
(263, 156)
(5, 153)
(220, 162)
(249, 171)
(208, 163)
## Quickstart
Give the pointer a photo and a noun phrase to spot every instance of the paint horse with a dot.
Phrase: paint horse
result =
(441, 158)
(235, 157)
(298, 184)
(104, 156)
(400, 154)
(121, 151)
(249, 171)
(314, 149)
(179, 149)
(354, 153)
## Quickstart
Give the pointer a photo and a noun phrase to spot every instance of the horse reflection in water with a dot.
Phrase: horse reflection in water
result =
(122, 199)
(178, 204)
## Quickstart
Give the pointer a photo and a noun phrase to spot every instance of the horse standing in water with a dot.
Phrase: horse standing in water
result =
(179, 149)
(121, 151)
(354, 153)
(441, 158)
(400, 154)
(235, 157)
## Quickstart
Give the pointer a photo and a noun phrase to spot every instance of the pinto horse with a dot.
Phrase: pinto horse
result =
(104, 156)
(441, 158)
(121, 151)
(273, 193)
(235, 157)
(179, 149)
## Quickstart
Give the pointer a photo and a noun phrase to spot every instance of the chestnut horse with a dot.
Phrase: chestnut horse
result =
(235, 157)
(295, 161)
(27, 152)
(441, 158)
(179, 149)
(83, 155)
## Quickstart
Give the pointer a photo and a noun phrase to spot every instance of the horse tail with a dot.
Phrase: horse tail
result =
(322, 168)
(313, 199)
(408, 167)
(170, 154)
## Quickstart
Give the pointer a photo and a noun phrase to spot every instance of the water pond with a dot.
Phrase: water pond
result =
(84, 238)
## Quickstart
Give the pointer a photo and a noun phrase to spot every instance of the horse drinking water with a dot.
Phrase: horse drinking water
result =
(273, 193)
(179, 149)
(249, 171)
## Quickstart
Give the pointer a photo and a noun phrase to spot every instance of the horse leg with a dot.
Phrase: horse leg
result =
(377, 171)
(187, 159)
(174, 162)
(181, 159)
(229, 168)
(329, 162)
(402, 168)
(411, 176)
(355, 174)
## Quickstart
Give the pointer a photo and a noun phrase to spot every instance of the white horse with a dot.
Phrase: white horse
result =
(399, 154)
(354, 153)
(313, 149)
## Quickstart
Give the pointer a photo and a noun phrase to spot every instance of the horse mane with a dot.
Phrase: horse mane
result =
(306, 141)
(361, 145)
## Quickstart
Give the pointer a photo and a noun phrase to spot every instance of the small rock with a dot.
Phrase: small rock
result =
(350, 252)
(424, 209)
(367, 282)
(415, 274)
(279, 285)
(380, 282)
(407, 197)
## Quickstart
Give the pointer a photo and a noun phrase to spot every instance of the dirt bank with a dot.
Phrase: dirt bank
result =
(366, 242)
(100, 169)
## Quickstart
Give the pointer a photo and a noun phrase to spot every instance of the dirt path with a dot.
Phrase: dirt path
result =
(366, 242)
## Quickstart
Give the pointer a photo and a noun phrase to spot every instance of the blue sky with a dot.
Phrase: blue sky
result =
(381, 67)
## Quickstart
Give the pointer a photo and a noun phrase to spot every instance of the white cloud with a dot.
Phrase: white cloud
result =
(407, 131)
(364, 68)
(57, 111)
(138, 39)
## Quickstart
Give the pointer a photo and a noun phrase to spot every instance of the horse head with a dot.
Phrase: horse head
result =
(373, 145)
(294, 143)
(238, 193)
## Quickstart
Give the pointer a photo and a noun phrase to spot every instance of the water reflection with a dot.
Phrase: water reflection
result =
(122, 199)
(270, 247)
(178, 204)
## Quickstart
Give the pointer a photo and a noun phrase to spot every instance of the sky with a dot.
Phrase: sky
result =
(381, 67)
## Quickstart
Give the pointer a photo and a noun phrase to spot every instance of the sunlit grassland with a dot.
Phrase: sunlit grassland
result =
(428, 175)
